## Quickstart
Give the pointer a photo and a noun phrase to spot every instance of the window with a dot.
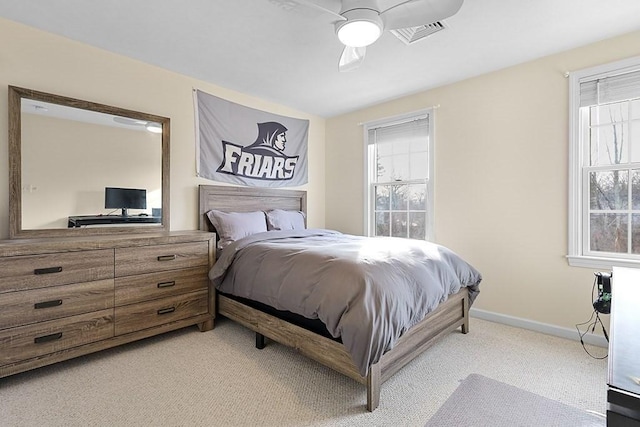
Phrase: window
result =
(604, 208)
(399, 181)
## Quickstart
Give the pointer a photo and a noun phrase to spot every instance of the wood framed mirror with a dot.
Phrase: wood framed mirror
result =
(79, 168)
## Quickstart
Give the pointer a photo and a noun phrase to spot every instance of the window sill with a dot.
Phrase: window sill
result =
(601, 263)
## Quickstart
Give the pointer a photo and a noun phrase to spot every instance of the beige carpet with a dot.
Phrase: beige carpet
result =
(218, 378)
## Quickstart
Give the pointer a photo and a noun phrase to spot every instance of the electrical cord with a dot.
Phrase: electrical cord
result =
(591, 324)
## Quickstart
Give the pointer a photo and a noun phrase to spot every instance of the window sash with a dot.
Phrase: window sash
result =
(406, 210)
(399, 139)
(624, 166)
(629, 211)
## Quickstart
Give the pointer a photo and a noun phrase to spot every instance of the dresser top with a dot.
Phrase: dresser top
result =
(17, 247)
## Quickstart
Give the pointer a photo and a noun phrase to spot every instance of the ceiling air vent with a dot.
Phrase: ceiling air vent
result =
(413, 34)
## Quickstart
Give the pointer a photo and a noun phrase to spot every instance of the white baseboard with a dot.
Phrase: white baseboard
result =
(545, 328)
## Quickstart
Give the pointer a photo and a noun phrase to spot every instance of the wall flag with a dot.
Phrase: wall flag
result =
(245, 146)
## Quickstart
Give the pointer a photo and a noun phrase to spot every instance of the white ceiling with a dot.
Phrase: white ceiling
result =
(288, 54)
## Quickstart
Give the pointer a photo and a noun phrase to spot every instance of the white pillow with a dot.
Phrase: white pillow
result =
(278, 219)
(231, 226)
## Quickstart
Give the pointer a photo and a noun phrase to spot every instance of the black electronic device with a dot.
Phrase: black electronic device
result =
(125, 198)
(603, 303)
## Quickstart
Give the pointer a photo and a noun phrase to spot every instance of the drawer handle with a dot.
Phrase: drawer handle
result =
(166, 284)
(48, 304)
(47, 338)
(48, 270)
(166, 257)
(166, 310)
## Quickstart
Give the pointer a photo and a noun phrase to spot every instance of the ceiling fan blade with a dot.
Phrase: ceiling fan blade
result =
(413, 13)
(351, 58)
(331, 7)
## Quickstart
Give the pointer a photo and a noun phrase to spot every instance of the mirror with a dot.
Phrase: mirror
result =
(81, 168)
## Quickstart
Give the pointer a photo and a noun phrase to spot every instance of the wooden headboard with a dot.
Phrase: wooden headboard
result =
(246, 199)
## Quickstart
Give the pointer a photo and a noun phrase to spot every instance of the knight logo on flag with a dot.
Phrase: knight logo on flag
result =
(245, 146)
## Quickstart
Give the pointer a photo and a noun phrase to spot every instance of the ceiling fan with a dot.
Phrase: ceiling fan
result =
(360, 23)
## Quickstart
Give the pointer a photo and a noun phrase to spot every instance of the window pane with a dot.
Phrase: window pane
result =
(382, 198)
(420, 144)
(419, 165)
(607, 145)
(608, 190)
(635, 234)
(401, 146)
(609, 113)
(382, 224)
(384, 149)
(417, 225)
(399, 224)
(635, 189)
(399, 197)
(400, 167)
(634, 140)
(384, 167)
(635, 109)
(608, 232)
(418, 197)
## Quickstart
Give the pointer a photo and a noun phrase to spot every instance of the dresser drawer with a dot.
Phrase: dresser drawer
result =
(31, 341)
(143, 287)
(38, 305)
(39, 271)
(134, 317)
(149, 259)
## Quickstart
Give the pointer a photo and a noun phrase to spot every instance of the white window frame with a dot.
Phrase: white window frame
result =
(369, 199)
(578, 196)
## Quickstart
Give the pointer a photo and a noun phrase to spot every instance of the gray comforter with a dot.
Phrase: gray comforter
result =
(368, 291)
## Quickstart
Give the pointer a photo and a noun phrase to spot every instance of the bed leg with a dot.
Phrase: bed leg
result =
(373, 387)
(465, 308)
(259, 341)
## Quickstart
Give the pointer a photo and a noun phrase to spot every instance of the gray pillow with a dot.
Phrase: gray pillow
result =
(232, 226)
(278, 219)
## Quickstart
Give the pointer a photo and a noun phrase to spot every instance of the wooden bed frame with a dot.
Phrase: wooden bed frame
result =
(447, 317)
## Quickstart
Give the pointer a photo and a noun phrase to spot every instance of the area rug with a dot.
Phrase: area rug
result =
(482, 402)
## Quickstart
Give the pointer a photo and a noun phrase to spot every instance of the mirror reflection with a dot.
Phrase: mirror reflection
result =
(78, 167)
(71, 156)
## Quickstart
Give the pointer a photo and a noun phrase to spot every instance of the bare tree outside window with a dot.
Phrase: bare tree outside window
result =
(614, 205)
(401, 210)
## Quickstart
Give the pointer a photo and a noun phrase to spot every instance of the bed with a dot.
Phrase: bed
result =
(285, 328)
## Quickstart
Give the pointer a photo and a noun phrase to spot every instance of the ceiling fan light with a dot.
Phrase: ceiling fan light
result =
(361, 28)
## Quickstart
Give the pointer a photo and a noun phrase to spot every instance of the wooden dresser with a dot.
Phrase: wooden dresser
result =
(65, 297)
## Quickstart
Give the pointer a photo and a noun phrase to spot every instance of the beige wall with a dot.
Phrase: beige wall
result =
(500, 180)
(37, 60)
